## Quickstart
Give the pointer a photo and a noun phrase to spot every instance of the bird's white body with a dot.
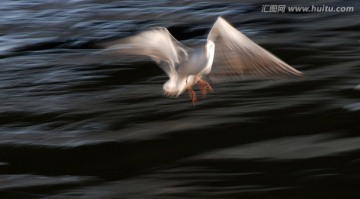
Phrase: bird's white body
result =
(189, 71)
(227, 54)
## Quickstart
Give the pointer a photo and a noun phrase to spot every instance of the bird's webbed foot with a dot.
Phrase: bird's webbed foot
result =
(204, 87)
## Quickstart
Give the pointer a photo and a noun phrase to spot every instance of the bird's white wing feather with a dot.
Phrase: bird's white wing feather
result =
(156, 43)
(237, 56)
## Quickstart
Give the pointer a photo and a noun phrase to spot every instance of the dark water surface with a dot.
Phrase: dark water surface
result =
(76, 122)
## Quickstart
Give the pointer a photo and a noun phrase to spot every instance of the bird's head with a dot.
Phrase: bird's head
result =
(170, 88)
(174, 86)
(177, 85)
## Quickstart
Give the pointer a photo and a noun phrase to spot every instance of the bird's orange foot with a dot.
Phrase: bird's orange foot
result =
(192, 95)
(204, 87)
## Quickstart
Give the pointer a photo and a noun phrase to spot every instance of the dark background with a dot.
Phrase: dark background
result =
(76, 122)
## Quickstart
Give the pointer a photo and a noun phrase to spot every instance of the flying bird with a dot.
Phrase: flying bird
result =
(227, 54)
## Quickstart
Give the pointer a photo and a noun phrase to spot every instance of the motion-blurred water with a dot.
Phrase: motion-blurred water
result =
(76, 122)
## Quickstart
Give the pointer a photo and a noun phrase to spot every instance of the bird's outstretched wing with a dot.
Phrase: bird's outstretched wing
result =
(237, 56)
(156, 43)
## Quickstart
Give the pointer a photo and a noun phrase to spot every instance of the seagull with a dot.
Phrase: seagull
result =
(226, 55)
